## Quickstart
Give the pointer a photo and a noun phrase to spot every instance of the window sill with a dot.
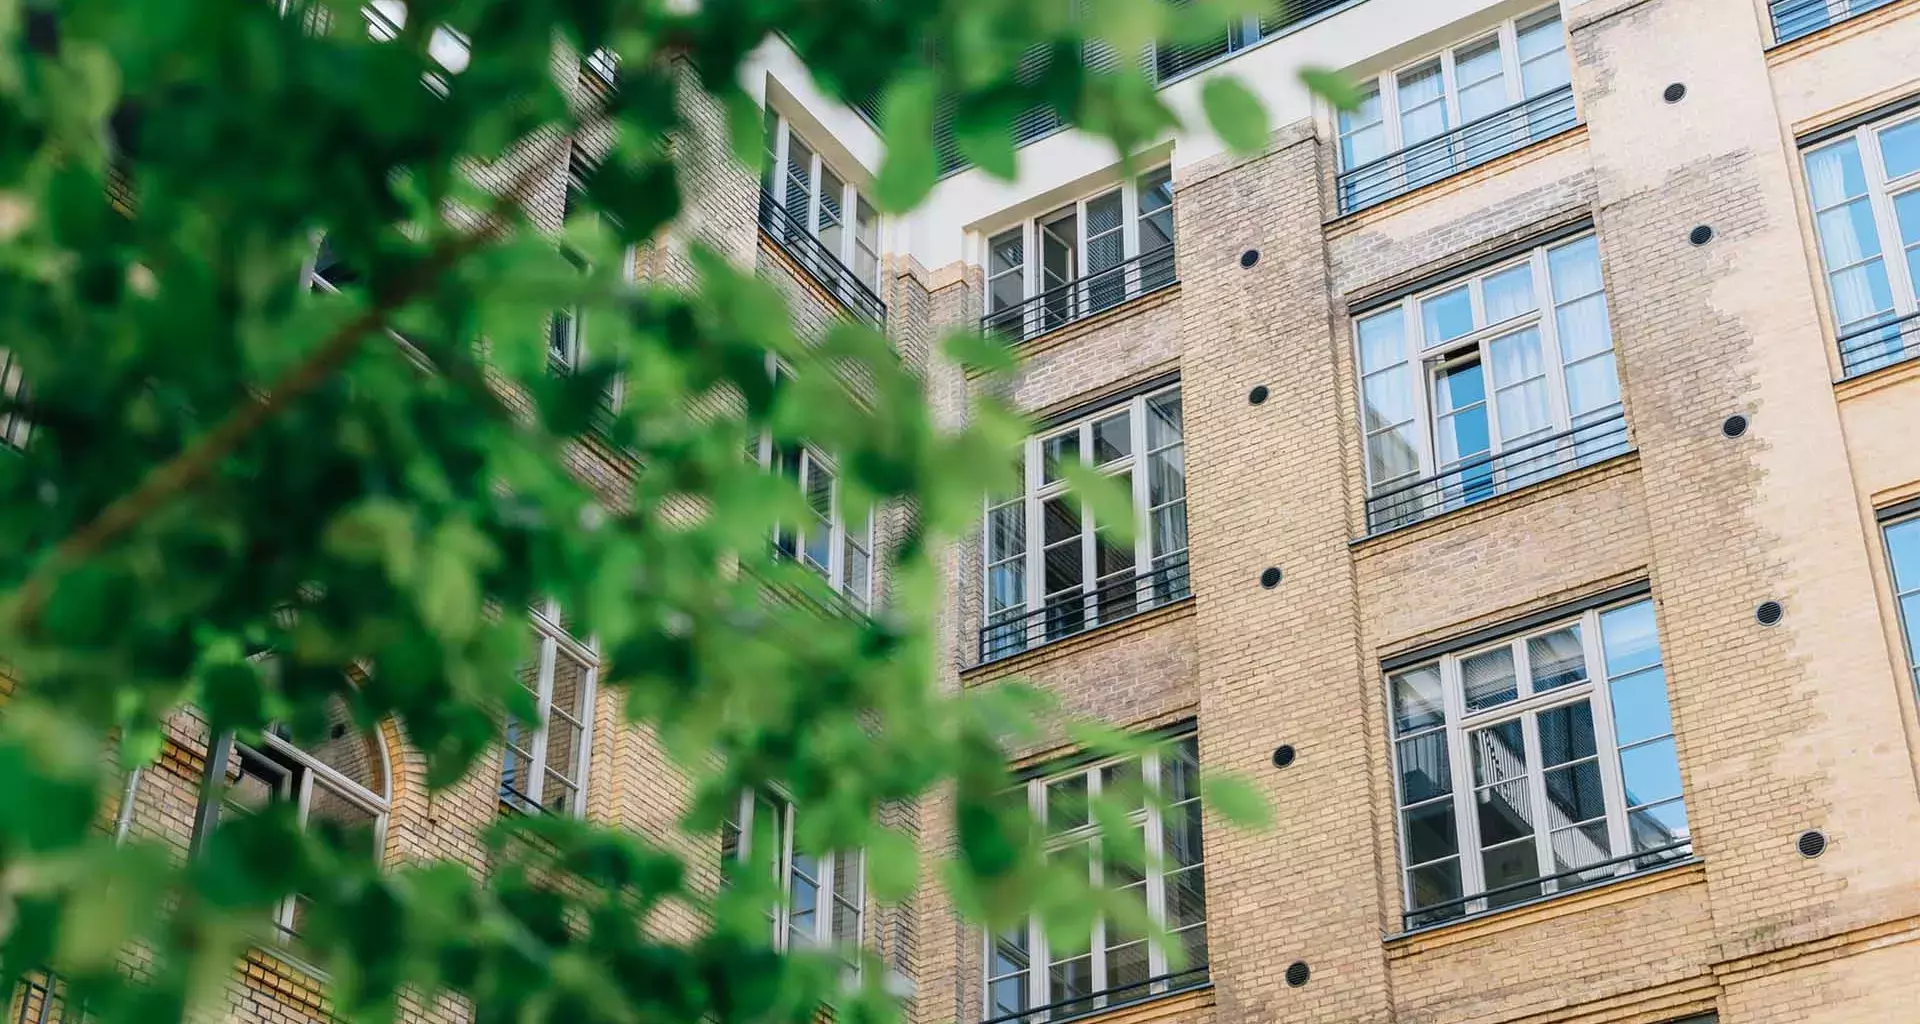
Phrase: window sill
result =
(1067, 646)
(1679, 874)
(1143, 1009)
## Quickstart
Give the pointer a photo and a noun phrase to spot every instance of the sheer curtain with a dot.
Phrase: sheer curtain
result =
(1850, 244)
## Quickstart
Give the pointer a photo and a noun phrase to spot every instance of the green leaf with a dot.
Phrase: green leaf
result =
(1235, 113)
(908, 171)
(1333, 86)
(1236, 800)
(893, 866)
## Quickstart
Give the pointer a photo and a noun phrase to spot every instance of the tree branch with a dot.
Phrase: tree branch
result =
(193, 464)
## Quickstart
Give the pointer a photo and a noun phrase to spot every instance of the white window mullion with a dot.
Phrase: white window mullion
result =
(1036, 538)
(1142, 503)
(779, 170)
(1613, 785)
(1472, 877)
(1537, 789)
(1156, 849)
(1552, 359)
(1449, 91)
(1510, 61)
(583, 754)
(1886, 220)
(1390, 112)
(1419, 368)
(543, 700)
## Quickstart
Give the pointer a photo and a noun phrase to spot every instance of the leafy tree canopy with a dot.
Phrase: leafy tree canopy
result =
(254, 499)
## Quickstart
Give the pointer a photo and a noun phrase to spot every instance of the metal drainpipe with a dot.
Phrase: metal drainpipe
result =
(124, 823)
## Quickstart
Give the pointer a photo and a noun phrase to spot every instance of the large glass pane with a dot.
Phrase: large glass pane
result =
(1070, 982)
(1423, 109)
(1429, 832)
(1900, 149)
(1006, 532)
(1424, 770)
(1499, 754)
(1640, 706)
(1056, 451)
(1557, 659)
(1067, 804)
(1848, 234)
(1543, 57)
(1417, 701)
(1574, 269)
(1509, 293)
(1386, 399)
(1156, 210)
(1659, 825)
(1903, 550)
(1487, 679)
(1629, 639)
(1363, 137)
(1566, 734)
(1446, 316)
(1651, 772)
(1382, 340)
(1163, 420)
(1180, 771)
(1166, 476)
(1112, 439)
(1835, 174)
(1584, 327)
(1431, 884)
(1186, 897)
(1061, 519)
(1580, 845)
(1006, 260)
(832, 230)
(1479, 79)
(1574, 793)
(1520, 386)
(1393, 453)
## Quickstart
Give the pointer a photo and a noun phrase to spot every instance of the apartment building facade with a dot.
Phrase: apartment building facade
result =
(1522, 500)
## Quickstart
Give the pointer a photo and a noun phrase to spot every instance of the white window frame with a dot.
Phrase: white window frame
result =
(1906, 623)
(838, 533)
(553, 642)
(1385, 85)
(302, 771)
(1882, 193)
(829, 902)
(1152, 818)
(1428, 362)
(1525, 708)
(1032, 274)
(780, 135)
(1036, 491)
(15, 428)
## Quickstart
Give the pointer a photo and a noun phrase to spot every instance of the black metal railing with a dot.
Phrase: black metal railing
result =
(822, 263)
(1496, 473)
(1502, 896)
(39, 999)
(1465, 147)
(1109, 999)
(1064, 615)
(1884, 342)
(1081, 298)
(1795, 18)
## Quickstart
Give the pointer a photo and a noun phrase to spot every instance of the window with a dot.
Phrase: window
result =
(1087, 256)
(825, 903)
(1865, 191)
(449, 48)
(1488, 383)
(826, 543)
(1456, 109)
(820, 218)
(1571, 719)
(545, 763)
(1051, 570)
(339, 784)
(1027, 973)
(1795, 18)
(15, 428)
(1903, 554)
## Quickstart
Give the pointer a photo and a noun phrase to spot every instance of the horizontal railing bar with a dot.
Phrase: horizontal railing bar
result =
(1880, 343)
(1462, 901)
(1059, 290)
(1793, 19)
(1078, 612)
(1197, 976)
(1612, 423)
(1545, 99)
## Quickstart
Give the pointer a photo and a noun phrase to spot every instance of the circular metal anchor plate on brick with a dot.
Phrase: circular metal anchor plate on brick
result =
(1674, 93)
(1812, 843)
(1298, 973)
(1270, 577)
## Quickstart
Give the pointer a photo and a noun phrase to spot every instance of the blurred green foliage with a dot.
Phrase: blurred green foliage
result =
(226, 464)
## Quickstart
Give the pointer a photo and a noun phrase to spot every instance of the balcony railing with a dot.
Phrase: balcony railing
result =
(1081, 298)
(821, 263)
(1502, 896)
(39, 999)
(1485, 476)
(1467, 146)
(1109, 999)
(1795, 18)
(1064, 615)
(1883, 343)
